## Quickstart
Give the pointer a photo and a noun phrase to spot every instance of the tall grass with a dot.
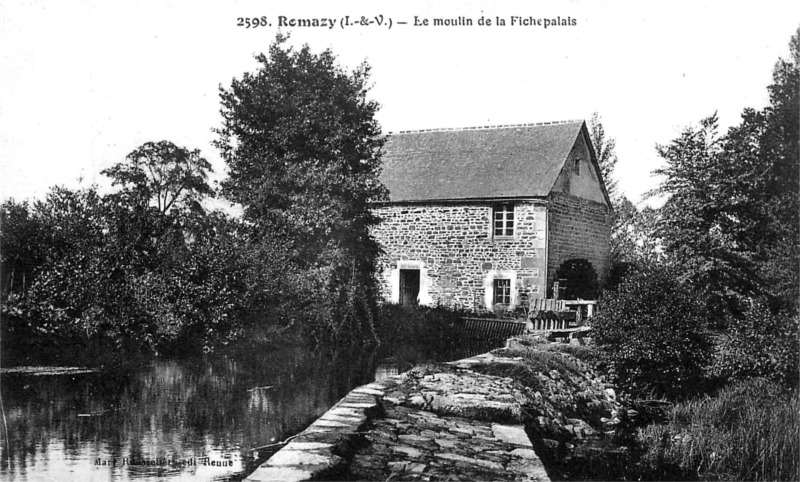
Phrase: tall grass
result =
(586, 353)
(545, 361)
(748, 431)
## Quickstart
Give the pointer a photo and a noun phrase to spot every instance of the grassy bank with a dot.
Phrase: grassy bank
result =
(747, 431)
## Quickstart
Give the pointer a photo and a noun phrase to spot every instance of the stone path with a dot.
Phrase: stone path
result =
(432, 423)
(414, 444)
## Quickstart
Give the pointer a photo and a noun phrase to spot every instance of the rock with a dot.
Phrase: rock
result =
(461, 432)
(533, 470)
(297, 458)
(398, 466)
(513, 434)
(524, 453)
(412, 438)
(550, 443)
(410, 451)
(471, 461)
(406, 467)
(446, 443)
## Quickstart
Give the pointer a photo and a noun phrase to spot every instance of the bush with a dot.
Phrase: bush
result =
(432, 327)
(748, 431)
(545, 361)
(581, 279)
(651, 336)
(587, 354)
(760, 344)
(618, 272)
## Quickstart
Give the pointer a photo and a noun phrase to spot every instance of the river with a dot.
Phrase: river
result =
(196, 419)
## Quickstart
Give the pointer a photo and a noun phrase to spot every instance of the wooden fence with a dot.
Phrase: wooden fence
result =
(547, 305)
(491, 328)
(554, 320)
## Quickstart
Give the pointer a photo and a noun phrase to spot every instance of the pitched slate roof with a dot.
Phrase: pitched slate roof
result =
(475, 163)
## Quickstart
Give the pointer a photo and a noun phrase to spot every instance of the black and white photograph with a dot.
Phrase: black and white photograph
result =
(547, 240)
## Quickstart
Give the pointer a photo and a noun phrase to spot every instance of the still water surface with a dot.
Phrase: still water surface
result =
(176, 420)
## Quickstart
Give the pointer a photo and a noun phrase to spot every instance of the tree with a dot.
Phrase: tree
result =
(303, 147)
(779, 150)
(164, 174)
(732, 220)
(21, 251)
(633, 239)
(698, 221)
(605, 149)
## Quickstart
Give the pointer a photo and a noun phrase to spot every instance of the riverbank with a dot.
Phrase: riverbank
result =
(480, 418)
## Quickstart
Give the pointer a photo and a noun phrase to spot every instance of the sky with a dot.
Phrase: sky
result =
(84, 82)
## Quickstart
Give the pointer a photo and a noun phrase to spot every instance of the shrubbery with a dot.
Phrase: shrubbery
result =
(760, 344)
(433, 327)
(148, 269)
(128, 278)
(651, 334)
(748, 431)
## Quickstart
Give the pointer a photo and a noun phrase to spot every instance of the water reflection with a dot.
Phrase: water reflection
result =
(174, 419)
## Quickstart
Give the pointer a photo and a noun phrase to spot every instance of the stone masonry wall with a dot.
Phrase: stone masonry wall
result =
(457, 254)
(579, 228)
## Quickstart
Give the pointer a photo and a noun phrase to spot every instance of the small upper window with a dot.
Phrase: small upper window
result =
(504, 220)
(577, 167)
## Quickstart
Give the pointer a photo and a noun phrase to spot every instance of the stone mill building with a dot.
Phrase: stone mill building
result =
(483, 216)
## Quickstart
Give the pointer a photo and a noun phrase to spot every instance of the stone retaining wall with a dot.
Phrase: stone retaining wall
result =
(317, 452)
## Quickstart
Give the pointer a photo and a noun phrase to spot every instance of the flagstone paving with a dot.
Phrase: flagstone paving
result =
(449, 423)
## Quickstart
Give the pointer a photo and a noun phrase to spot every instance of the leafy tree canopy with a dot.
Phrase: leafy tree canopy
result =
(303, 148)
(163, 174)
(732, 220)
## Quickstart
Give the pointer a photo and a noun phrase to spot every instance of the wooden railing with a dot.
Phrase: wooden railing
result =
(491, 328)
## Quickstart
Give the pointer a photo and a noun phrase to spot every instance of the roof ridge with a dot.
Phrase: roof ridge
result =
(487, 127)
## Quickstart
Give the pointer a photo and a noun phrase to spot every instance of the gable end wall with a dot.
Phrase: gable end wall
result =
(579, 228)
